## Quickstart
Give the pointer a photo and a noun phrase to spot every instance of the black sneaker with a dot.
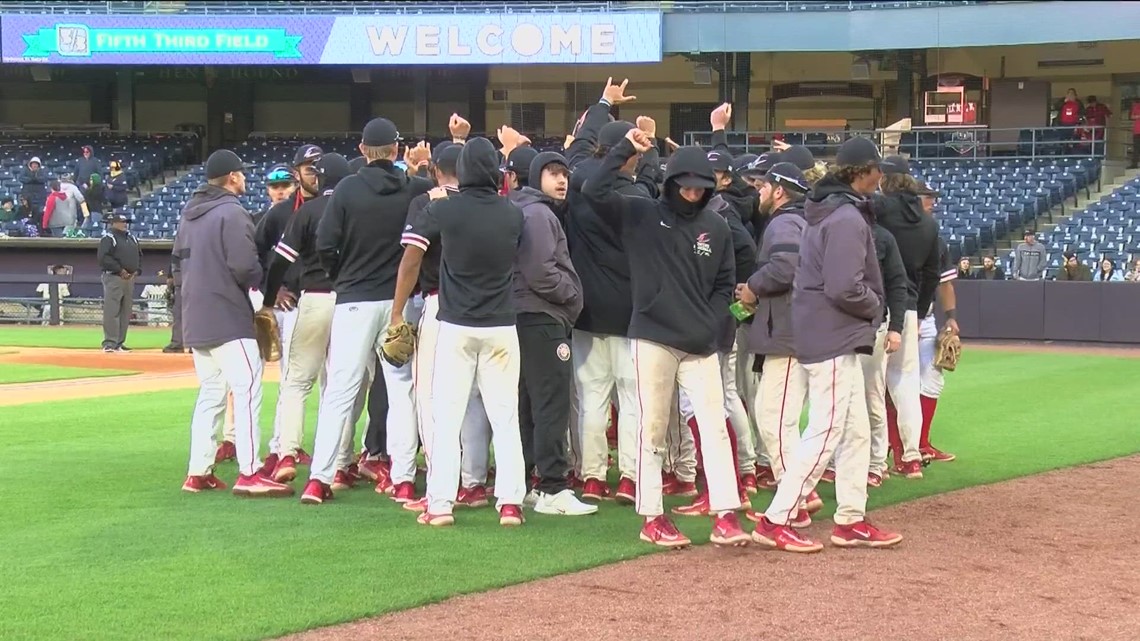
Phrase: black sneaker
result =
(107, 349)
(123, 348)
(173, 349)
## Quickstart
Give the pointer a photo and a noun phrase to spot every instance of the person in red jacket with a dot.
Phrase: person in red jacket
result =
(1069, 115)
(57, 194)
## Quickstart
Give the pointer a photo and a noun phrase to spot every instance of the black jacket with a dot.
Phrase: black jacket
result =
(270, 227)
(895, 285)
(358, 238)
(744, 259)
(682, 263)
(741, 195)
(917, 236)
(119, 250)
(295, 254)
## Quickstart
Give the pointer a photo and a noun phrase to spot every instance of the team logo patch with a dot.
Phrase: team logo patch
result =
(563, 352)
(702, 247)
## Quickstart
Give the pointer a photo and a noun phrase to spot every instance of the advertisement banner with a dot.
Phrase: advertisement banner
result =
(343, 40)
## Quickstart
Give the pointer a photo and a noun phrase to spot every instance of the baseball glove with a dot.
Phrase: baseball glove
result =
(268, 335)
(399, 344)
(949, 351)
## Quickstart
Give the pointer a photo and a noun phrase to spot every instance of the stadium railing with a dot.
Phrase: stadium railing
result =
(77, 310)
(930, 143)
(254, 7)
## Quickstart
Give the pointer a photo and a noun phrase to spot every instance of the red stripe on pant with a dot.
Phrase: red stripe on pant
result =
(701, 480)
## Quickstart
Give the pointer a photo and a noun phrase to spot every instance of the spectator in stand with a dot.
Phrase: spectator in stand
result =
(1069, 115)
(1133, 275)
(1108, 273)
(8, 211)
(119, 186)
(990, 270)
(87, 166)
(53, 223)
(1134, 114)
(34, 180)
(65, 216)
(1030, 258)
(1097, 115)
(964, 267)
(96, 196)
(1074, 269)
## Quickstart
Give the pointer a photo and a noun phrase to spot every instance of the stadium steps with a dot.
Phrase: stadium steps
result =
(167, 178)
(1113, 176)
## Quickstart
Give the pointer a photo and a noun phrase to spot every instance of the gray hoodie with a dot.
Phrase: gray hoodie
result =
(217, 259)
(544, 278)
(837, 300)
(771, 331)
(1030, 261)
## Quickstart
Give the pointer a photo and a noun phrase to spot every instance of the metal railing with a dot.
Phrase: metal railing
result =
(73, 310)
(968, 142)
(263, 7)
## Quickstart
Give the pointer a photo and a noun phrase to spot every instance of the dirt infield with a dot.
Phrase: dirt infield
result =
(1045, 557)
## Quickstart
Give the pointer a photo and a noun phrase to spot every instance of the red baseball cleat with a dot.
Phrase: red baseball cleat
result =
(303, 457)
(268, 466)
(935, 454)
(372, 469)
(726, 530)
(226, 451)
(626, 492)
(474, 496)
(343, 480)
(765, 479)
(259, 486)
(699, 507)
(865, 535)
(316, 493)
(828, 476)
(384, 486)
(661, 531)
(418, 505)
(575, 482)
(745, 500)
(286, 470)
(782, 537)
(910, 469)
(874, 480)
(435, 520)
(511, 516)
(812, 502)
(596, 490)
(749, 483)
(203, 483)
(403, 492)
(753, 515)
(677, 487)
(800, 520)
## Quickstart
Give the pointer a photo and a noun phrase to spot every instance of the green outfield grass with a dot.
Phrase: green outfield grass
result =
(114, 551)
(24, 373)
(79, 336)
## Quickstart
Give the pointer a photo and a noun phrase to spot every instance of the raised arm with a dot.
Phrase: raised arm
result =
(600, 189)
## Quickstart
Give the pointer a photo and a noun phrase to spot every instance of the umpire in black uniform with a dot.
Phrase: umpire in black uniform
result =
(120, 258)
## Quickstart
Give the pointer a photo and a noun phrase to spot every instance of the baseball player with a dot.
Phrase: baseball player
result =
(932, 377)
(783, 389)
(682, 284)
(899, 211)
(837, 301)
(308, 339)
(358, 246)
(218, 259)
(603, 366)
(479, 234)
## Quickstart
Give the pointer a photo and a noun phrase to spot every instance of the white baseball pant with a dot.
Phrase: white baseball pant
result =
(235, 365)
(837, 426)
(488, 357)
(680, 456)
(734, 409)
(779, 402)
(747, 382)
(304, 349)
(902, 381)
(931, 381)
(602, 368)
(357, 332)
(475, 430)
(658, 369)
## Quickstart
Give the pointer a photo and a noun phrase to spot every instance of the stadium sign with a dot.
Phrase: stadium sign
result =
(315, 40)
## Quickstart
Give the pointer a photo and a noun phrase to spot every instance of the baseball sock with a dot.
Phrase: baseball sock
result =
(893, 436)
(929, 406)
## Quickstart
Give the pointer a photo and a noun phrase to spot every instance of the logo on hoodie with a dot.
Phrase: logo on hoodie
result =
(702, 247)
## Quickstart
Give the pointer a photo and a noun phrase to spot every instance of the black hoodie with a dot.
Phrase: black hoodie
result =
(298, 244)
(358, 238)
(479, 232)
(917, 236)
(681, 257)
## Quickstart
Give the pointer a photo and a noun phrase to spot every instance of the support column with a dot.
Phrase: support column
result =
(477, 79)
(419, 100)
(359, 105)
(124, 100)
(904, 87)
(741, 90)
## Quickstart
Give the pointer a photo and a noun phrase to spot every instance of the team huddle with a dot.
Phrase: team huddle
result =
(548, 307)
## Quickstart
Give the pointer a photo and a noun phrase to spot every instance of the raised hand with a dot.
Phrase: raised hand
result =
(615, 94)
(640, 141)
(459, 127)
(418, 156)
(508, 138)
(720, 117)
(648, 125)
(673, 146)
(566, 143)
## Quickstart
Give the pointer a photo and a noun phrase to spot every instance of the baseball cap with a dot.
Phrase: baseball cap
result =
(278, 174)
(306, 153)
(447, 159)
(611, 133)
(694, 181)
(741, 161)
(519, 162)
(720, 161)
(1029, 232)
(788, 176)
(799, 156)
(857, 151)
(118, 217)
(761, 165)
(333, 167)
(380, 132)
(222, 162)
(895, 165)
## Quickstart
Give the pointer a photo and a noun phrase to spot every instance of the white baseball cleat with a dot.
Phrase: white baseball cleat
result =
(565, 503)
(531, 498)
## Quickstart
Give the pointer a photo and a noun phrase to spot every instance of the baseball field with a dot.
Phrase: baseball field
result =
(98, 542)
